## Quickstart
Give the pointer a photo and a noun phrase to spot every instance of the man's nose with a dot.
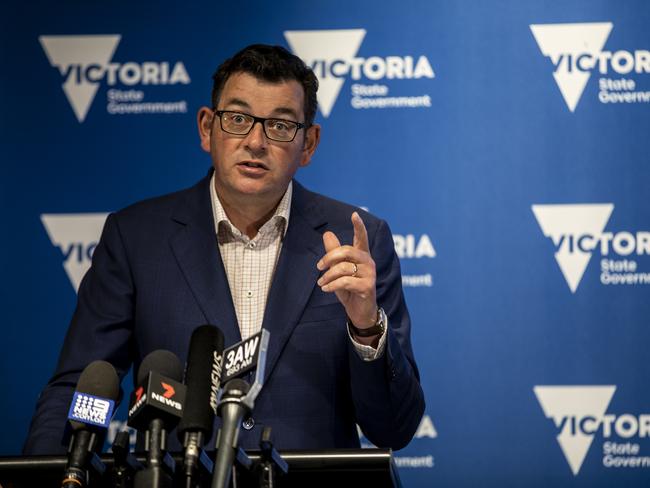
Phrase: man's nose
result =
(256, 139)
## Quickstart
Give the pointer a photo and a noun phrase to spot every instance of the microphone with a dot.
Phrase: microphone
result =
(231, 410)
(90, 414)
(202, 380)
(237, 399)
(156, 406)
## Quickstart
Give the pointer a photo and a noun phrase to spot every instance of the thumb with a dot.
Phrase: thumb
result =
(330, 241)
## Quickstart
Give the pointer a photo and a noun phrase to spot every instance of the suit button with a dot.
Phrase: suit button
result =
(248, 423)
(392, 373)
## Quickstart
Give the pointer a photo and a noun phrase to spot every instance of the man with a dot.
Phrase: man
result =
(245, 248)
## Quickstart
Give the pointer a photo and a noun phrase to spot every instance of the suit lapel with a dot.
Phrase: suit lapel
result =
(296, 273)
(197, 253)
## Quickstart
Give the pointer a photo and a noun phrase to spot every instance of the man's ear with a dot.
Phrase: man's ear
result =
(204, 119)
(312, 138)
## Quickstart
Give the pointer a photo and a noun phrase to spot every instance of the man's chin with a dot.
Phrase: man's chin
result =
(254, 188)
(257, 190)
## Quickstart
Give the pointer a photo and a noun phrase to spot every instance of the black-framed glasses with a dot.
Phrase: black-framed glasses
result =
(240, 124)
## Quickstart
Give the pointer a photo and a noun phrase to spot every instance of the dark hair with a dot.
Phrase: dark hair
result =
(273, 64)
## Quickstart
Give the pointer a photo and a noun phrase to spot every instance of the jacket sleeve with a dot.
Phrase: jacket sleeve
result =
(100, 329)
(387, 396)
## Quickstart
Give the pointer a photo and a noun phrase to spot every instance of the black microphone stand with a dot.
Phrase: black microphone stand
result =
(82, 459)
(197, 464)
(270, 460)
(160, 465)
(125, 464)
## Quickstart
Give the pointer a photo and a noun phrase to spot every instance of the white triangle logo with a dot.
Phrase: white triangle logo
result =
(74, 56)
(321, 50)
(76, 235)
(567, 406)
(564, 44)
(565, 225)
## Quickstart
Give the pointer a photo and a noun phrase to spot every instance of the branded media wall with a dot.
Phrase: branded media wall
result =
(505, 142)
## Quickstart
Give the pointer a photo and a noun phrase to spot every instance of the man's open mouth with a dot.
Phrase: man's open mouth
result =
(253, 164)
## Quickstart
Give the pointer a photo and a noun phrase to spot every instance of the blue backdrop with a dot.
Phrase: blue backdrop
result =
(503, 141)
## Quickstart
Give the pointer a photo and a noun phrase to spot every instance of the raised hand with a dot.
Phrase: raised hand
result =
(350, 273)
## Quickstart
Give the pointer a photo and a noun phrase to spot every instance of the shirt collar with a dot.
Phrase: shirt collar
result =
(280, 217)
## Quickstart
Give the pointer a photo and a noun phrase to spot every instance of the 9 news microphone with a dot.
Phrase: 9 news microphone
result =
(202, 380)
(90, 414)
(157, 406)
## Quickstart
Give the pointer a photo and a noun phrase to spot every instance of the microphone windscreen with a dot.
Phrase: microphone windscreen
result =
(202, 378)
(98, 379)
(163, 362)
(236, 387)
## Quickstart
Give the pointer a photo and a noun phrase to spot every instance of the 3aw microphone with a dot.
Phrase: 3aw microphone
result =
(202, 380)
(237, 399)
(231, 410)
(90, 415)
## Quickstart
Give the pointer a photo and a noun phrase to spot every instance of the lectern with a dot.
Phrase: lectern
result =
(339, 468)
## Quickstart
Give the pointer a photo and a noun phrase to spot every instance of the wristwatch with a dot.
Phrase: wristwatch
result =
(377, 329)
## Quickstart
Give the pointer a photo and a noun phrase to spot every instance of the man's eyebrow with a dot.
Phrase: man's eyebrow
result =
(237, 101)
(286, 111)
(279, 111)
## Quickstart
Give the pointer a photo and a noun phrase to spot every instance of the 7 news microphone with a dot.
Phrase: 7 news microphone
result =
(202, 379)
(156, 407)
(90, 414)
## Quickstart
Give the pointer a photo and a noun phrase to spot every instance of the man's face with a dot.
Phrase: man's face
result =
(252, 167)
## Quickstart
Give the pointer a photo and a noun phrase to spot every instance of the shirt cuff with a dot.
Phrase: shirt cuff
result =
(369, 353)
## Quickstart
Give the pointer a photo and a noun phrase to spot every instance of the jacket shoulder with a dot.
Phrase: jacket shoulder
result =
(163, 205)
(335, 212)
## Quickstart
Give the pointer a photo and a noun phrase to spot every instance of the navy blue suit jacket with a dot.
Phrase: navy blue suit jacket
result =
(157, 274)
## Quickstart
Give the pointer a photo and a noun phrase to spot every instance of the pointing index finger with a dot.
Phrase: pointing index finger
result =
(360, 234)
